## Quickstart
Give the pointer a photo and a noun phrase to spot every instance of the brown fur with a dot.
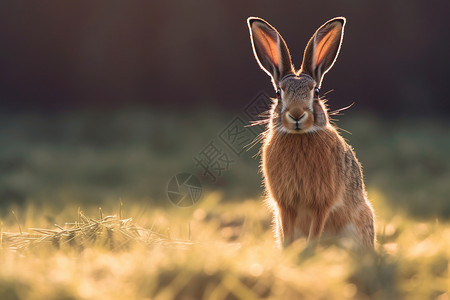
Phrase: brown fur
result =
(313, 181)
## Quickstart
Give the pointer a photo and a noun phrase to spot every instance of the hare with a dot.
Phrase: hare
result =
(313, 181)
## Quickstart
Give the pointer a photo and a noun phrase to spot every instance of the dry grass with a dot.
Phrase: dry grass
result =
(109, 232)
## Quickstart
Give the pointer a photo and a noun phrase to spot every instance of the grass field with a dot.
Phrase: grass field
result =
(60, 170)
(218, 251)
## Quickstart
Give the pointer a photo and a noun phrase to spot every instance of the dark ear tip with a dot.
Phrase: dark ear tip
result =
(250, 20)
(261, 21)
(341, 20)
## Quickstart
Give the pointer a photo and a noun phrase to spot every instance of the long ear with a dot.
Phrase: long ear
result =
(323, 49)
(270, 49)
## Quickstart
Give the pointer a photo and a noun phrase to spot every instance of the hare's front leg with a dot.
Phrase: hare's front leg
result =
(318, 220)
(287, 217)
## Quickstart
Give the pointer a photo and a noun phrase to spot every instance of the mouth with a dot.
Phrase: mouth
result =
(294, 128)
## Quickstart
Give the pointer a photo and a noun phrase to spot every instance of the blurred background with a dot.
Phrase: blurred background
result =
(106, 101)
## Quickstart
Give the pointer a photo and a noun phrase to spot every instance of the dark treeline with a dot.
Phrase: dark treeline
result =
(62, 55)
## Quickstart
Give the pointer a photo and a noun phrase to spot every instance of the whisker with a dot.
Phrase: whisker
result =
(258, 122)
(342, 129)
(337, 111)
(326, 93)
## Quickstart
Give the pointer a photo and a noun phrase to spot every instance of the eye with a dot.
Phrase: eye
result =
(316, 92)
(278, 93)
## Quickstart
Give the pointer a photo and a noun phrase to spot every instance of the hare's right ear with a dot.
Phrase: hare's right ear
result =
(270, 49)
(323, 49)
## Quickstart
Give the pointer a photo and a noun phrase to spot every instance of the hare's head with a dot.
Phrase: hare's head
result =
(296, 110)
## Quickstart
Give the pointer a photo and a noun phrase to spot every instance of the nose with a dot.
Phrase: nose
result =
(296, 115)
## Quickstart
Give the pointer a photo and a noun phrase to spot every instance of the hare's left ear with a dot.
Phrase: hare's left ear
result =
(323, 49)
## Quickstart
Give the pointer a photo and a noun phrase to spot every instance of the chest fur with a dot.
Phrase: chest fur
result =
(302, 169)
